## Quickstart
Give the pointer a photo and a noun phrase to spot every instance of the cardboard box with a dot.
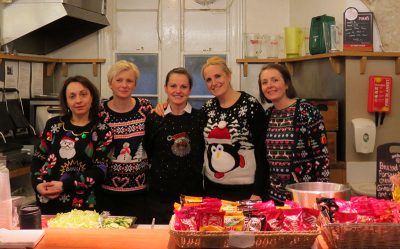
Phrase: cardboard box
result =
(332, 146)
(330, 112)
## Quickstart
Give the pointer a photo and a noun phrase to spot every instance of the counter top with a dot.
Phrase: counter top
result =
(157, 238)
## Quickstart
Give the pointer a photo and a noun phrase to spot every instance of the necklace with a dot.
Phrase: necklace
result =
(83, 135)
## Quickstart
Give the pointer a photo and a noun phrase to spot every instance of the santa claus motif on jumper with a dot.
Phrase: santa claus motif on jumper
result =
(67, 150)
(181, 145)
(125, 153)
(222, 156)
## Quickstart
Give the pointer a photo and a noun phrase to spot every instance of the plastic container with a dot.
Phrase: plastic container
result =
(30, 217)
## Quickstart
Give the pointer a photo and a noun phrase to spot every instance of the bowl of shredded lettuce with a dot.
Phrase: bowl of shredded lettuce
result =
(89, 219)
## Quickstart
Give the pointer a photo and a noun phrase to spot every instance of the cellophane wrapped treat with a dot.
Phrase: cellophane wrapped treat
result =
(211, 214)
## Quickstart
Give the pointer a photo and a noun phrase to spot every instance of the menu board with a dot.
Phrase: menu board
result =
(388, 164)
(357, 30)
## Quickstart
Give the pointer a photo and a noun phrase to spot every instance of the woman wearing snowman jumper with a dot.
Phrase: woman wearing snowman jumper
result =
(125, 188)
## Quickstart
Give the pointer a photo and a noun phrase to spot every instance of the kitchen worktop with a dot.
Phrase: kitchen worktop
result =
(142, 237)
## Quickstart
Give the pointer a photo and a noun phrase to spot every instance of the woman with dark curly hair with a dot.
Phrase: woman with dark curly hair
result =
(72, 158)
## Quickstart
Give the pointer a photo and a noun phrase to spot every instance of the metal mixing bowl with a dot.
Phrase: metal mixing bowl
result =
(305, 193)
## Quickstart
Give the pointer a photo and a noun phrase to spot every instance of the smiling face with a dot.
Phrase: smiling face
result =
(217, 80)
(178, 89)
(123, 84)
(79, 99)
(273, 86)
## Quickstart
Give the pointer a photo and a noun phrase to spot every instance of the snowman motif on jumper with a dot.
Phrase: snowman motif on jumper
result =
(181, 145)
(67, 150)
(125, 153)
(222, 156)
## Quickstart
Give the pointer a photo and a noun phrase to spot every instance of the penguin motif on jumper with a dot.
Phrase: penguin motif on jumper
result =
(125, 153)
(181, 145)
(67, 150)
(222, 156)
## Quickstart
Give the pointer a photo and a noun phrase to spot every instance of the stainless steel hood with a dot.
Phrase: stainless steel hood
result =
(42, 26)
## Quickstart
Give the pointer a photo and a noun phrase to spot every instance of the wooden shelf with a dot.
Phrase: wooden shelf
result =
(20, 172)
(334, 59)
(51, 62)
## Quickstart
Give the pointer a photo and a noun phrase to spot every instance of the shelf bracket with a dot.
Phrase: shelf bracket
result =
(335, 64)
(397, 65)
(363, 64)
(94, 64)
(64, 69)
(245, 69)
(290, 68)
(50, 68)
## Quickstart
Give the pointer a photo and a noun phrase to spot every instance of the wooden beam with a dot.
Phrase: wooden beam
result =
(64, 69)
(397, 65)
(245, 69)
(290, 68)
(94, 64)
(335, 64)
(50, 68)
(363, 64)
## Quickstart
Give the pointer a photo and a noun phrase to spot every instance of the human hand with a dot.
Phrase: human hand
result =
(50, 190)
(159, 110)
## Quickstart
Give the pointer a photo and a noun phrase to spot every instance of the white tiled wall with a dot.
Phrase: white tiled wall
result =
(361, 172)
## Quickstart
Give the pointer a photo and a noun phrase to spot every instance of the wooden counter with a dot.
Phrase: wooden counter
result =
(112, 238)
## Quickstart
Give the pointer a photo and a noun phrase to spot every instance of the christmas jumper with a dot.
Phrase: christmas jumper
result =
(75, 155)
(296, 144)
(234, 159)
(128, 171)
(175, 147)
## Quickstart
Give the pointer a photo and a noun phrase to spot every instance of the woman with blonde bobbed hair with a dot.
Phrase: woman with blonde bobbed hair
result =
(235, 165)
(125, 187)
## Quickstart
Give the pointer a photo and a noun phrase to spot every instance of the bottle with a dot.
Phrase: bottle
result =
(5, 198)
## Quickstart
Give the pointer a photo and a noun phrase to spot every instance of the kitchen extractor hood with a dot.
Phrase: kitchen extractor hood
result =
(42, 26)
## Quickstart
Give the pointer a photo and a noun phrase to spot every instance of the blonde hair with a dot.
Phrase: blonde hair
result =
(120, 66)
(216, 61)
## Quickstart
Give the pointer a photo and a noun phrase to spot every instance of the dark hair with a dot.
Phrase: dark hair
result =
(290, 91)
(180, 70)
(85, 82)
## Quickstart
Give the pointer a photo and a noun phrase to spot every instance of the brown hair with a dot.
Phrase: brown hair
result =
(180, 70)
(85, 82)
(216, 61)
(290, 91)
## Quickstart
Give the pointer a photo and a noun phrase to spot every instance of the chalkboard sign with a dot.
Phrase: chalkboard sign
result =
(357, 30)
(388, 164)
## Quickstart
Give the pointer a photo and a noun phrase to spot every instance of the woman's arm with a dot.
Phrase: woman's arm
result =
(258, 131)
(318, 144)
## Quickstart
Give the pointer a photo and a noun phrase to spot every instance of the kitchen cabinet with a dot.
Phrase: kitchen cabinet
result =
(51, 62)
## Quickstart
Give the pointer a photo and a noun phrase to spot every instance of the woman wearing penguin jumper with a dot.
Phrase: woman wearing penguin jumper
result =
(235, 166)
(233, 127)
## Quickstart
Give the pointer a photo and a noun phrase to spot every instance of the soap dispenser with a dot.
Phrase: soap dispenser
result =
(364, 135)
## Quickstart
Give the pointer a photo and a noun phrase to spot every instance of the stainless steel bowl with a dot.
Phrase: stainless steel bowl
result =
(306, 193)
